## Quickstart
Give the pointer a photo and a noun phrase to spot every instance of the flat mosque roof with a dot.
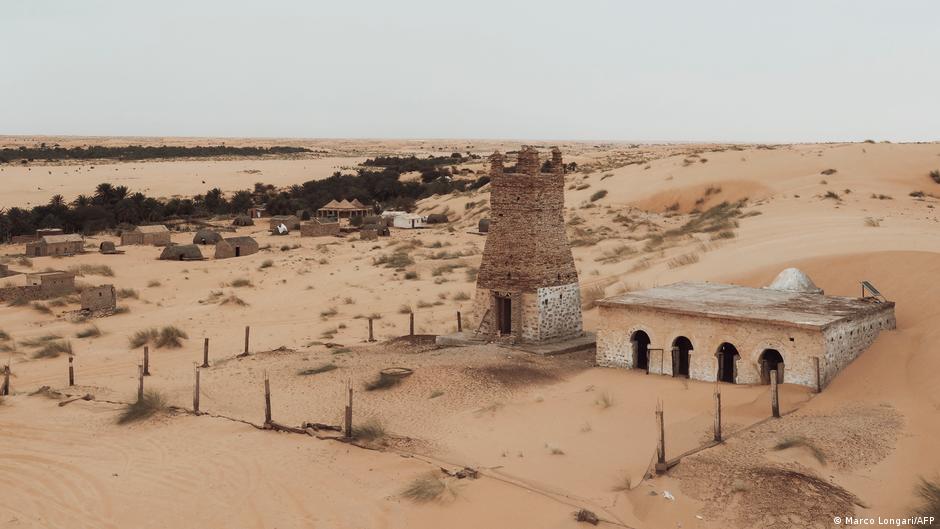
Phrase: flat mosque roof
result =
(763, 305)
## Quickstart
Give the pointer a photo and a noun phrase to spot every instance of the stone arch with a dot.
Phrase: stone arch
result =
(769, 360)
(728, 356)
(681, 356)
(640, 340)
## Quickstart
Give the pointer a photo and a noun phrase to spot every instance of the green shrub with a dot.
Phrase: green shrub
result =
(152, 403)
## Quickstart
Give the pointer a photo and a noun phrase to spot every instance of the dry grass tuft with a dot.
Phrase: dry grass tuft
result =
(426, 488)
(872, 222)
(153, 283)
(794, 442)
(383, 381)
(935, 175)
(929, 492)
(369, 431)
(683, 260)
(152, 403)
(169, 337)
(604, 400)
(53, 349)
(41, 308)
(92, 269)
(241, 282)
(232, 299)
(90, 332)
(267, 263)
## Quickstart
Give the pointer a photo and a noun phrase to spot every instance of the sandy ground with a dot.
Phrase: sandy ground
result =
(549, 434)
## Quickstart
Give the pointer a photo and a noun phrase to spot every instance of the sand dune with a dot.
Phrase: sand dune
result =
(540, 429)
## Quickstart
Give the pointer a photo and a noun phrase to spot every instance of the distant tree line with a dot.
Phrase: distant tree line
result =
(110, 206)
(136, 152)
(430, 167)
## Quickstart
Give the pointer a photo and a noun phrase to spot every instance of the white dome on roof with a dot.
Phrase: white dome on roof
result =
(794, 280)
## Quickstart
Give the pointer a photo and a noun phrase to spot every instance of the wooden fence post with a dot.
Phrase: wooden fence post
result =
(205, 353)
(196, 390)
(717, 413)
(146, 361)
(371, 337)
(774, 396)
(247, 332)
(818, 379)
(459, 323)
(267, 400)
(411, 324)
(5, 388)
(661, 445)
(140, 382)
(71, 371)
(349, 410)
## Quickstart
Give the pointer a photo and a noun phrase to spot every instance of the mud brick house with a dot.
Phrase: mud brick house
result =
(292, 222)
(527, 286)
(319, 228)
(155, 235)
(52, 283)
(47, 245)
(735, 334)
(101, 297)
(181, 252)
(235, 247)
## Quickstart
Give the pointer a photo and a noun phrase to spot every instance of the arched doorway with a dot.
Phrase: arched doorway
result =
(681, 347)
(770, 360)
(641, 350)
(727, 358)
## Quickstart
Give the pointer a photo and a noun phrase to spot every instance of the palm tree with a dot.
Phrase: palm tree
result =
(57, 201)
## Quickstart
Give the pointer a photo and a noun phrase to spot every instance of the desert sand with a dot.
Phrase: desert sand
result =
(549, 435)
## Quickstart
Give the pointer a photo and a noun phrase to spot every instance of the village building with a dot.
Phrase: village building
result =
(60, 245)
(235, 247)
(181, 252)
(155, 235)
(107, 248)
(52, 283)
(257, 212)
(206, 237)
(242, 220)
(101, 297)
(405, 221)
(736, 334)
(527, 286)
(319, 228)
(290, 221)
(42, 232)
(344, 209)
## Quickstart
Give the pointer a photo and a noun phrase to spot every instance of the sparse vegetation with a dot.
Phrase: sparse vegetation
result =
(89, 332)
(426, 488)
(169, 337)
(435, 394)
(383, 381)
(935, 175)
(153, 283)
(152, 403)
(232, 299)
(929, 492)
(828, 172)
(683, 260)
(41, 308)
(127, 293)
(328, 313)
(405, 309)
(872, 222)
(267, 263)
(604, 400)
(398, 259)
(92, 269)
(241, 282)
(832, 195)
(52, 349)
(461, 296)
(793, 442)
(411, 274)
(599, 194)
(369, 431)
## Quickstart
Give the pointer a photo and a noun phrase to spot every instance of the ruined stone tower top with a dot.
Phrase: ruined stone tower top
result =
(526, 247)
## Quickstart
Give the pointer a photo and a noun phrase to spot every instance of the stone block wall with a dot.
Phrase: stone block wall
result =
(559, 312)
(847, 339)
(798, 346)
(99, 298)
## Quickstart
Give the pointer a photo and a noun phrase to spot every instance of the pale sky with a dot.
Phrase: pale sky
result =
(692, 70)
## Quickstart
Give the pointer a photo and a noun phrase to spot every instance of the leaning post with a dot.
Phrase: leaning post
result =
(459, 323)
(348, 430)
(71, 371)
(371, 336)
(267, 400)
(5, 388)
(140, 382)
(196, 390)
(661, 445)
(146, 361)
(411, 324)
(247, 333)
(717, 413)
(774, 395)
(205, 353)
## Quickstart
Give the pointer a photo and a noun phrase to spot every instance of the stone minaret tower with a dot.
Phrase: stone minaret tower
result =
(527, 287)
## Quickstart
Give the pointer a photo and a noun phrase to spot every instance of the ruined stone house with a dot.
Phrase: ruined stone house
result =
(154, 235)
(181, 252)
(527, 286)
(319, 228)
(292, 222)
(735, 334)
(235, 247)
(52, 245)
(102, 297)
(39, 285)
